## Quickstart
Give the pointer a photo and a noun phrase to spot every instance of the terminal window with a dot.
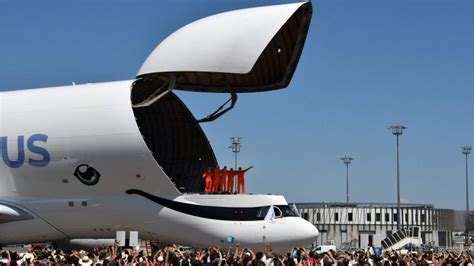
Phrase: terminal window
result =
(423, 218)
(377, 217)
(395, 217)
(349, 217)
(305, 216)
(318, 217)
(336, 216)
(387, 217)
(369, 217)
(406, 217)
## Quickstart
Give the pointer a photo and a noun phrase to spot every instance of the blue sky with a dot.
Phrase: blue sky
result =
(366, 65)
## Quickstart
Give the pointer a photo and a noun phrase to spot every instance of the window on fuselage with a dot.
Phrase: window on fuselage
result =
(287, 211)
(262, 212)
(280, 211)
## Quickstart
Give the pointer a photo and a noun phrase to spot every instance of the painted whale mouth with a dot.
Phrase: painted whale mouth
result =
(208, 212)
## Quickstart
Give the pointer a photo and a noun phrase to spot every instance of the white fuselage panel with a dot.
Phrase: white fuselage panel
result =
(47, 133)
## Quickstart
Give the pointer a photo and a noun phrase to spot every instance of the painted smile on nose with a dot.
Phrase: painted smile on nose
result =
(208, 212)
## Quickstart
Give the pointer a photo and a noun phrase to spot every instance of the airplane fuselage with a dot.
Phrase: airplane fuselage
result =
(86, 161)
(98, 129)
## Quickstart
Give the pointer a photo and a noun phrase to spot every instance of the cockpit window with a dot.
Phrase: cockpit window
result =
(280, 211)
(287, 211)
(262, 212)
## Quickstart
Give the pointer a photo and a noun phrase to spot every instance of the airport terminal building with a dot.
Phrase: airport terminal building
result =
(354, 225)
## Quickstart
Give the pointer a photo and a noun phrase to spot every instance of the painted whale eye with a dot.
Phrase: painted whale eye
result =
(82, 168)
(88, 175)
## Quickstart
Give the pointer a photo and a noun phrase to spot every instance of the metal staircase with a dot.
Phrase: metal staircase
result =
(402, 238)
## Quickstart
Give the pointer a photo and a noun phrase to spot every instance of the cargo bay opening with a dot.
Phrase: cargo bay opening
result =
(174, 137)
(219, 54)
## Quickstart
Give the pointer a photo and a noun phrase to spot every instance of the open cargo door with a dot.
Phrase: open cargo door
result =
(247, 50)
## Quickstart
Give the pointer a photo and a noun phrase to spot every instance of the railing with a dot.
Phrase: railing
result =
(400, 235)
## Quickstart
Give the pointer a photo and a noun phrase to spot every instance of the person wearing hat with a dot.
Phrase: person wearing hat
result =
(85, 261)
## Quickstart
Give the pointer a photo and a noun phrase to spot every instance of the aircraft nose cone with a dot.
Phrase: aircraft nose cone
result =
(311, 231)
(307, 232)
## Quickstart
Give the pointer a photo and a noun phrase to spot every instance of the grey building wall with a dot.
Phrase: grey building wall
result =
(358, 224)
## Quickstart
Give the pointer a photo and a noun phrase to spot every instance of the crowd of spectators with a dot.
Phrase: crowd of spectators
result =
(235, 256)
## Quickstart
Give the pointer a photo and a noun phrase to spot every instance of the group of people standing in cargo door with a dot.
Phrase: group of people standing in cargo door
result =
(222, 180)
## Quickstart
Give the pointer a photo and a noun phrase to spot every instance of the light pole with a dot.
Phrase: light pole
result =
(235, 146)
(397, 130)
(347, 160)
(466, 150)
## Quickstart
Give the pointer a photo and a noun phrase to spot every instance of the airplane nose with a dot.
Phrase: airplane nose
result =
(307, 231)
(293, 232)
(312, 231)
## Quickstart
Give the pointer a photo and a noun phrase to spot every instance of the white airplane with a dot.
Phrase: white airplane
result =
(86, 161)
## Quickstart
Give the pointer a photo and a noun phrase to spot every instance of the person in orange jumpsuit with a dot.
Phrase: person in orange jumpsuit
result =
(215, 179)
(207, 180)
(241, 179)
(224, 173)
(230, 180)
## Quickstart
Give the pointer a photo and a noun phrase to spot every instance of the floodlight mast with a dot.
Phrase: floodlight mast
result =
(347, 160)
(235, 146)
(397, 130)
(466, 150)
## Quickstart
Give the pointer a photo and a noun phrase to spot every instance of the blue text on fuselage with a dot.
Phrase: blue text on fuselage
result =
(32, 147)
